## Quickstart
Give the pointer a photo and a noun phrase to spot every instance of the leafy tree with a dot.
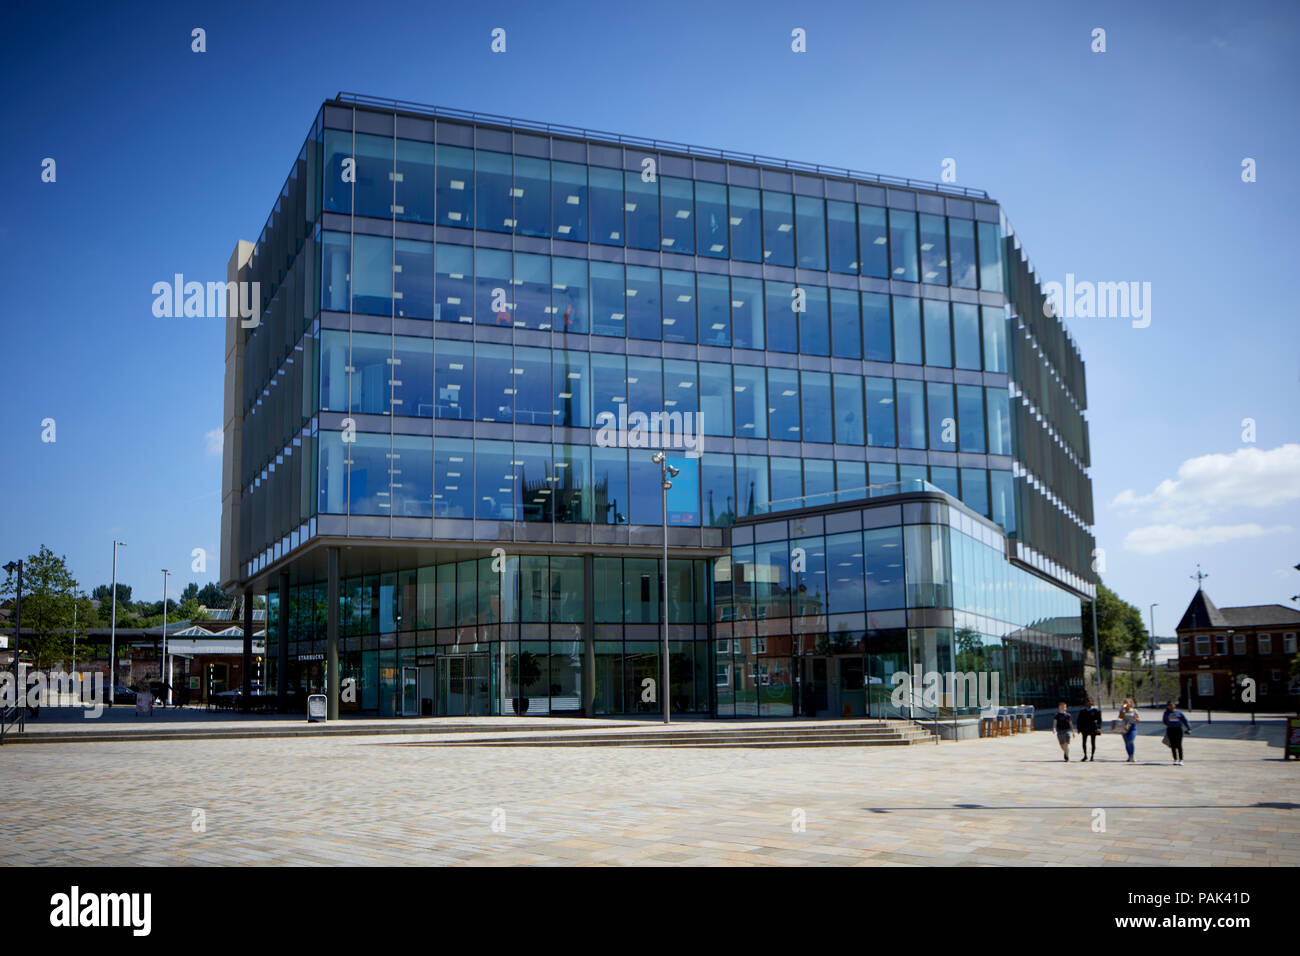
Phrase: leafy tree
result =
(190, 593)
(1119, 625)
(104, 595)
(211, 595)
(48, 603)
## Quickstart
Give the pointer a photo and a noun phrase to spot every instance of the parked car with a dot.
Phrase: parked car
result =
(123, 694)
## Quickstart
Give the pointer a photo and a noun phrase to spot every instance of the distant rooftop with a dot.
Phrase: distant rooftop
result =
(1201, 612)
(361, 100)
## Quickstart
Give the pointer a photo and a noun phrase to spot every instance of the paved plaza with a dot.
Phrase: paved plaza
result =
(388, 800)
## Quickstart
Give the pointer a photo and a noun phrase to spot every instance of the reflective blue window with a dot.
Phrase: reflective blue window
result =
(778, 228)
(902, 245)
(782, 320)
(846, 325)
(883, 473)
(810, 224)
(532, 291)
(569, 304)
(608, 384)
(815, 396)
(493, 302)
(531, 381)
(644, 480)
(990, 243)
(783, 404)
(995, 339)
(334, 348)
(413, 279)
(910, 401)
(934, 250)
(412, 376)
(535, 480)
(746, 226)
(609, 485)
(715, 309)
(455, 283)
(943, 418)
(572, 485)
(335, 284)
(1002, 500)
(787, 487)
(684, 496)
(873, 242)
(453, 478)
(884, 568)
(494, 207)
(844, 566)
(975, 489)
(966, 335)
(750, 389)
(368, 475)
(809, 584)
(877, 335)
(970, 417)
(715, 398)
(336, 192)
(571, 384)
(718, 489)
(842, 236)
(938, 335)
(494, 388)
(532, 196)
(679, 306)
(681, 390)
(907, 330)
(373, 190)
(961, 248)
(641, 202)
(497, 489)
(372, 275)
(414, 185)
(608, 308)
(880, 414)
(999, 420)
(644, 385)
(850, 477)
(751, 484)
(455, 186)
(412, 483)
(945, 479)
(569, 201)
(369, 390)
(453, 377)
(814, 334)
(676, 206)
(606, 191)
(908, 473)
(711, 219)
(644, 310)
(818, 482)
(849, 418)
(747, 313)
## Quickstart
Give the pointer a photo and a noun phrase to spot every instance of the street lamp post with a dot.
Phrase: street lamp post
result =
(162, 663)
(17, 567)
(112, 630)
(1152, 613)
(666, 473)
(1096, 644)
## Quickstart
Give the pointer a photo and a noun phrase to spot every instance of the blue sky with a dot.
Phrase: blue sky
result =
(1115, 166)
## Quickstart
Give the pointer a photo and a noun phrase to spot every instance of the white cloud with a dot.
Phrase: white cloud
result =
(1158, 538)
(1210, 484)
(213, 441)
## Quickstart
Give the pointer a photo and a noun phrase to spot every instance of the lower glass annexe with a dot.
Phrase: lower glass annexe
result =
(809, 613)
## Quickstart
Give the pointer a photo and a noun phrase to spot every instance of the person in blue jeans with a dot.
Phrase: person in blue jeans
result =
(1175, 726)
(1129, 715)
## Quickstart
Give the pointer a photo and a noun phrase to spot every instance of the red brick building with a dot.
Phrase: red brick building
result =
(1220, 650)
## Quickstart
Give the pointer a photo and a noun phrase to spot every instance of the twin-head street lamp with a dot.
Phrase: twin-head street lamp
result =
(112, 631)
(666, 472)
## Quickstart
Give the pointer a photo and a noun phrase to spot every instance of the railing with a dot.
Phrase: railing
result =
(577, 132)
(8, 717)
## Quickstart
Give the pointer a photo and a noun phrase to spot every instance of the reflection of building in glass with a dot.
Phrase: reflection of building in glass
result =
(450, 302)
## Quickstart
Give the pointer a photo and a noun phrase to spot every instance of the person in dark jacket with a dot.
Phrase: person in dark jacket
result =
(1175, 726)
(1063, 726)
(1089, 726)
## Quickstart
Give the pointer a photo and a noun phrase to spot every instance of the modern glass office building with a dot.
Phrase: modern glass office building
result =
(886, 457)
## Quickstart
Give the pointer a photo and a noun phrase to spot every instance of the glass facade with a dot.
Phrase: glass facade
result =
(456, 310)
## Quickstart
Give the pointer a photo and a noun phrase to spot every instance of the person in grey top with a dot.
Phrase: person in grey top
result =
(1175, 726)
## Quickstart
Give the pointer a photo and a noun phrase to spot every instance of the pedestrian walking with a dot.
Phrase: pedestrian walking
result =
(1128, 718)
(1089, 726)
(1064, 727)
(1175, 726)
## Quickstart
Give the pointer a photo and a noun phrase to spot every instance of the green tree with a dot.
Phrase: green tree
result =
(48, 603)
(211, 595)
(104, 595)
(1119, 627)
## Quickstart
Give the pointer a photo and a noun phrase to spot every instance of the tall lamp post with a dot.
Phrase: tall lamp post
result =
(112, 630)
(666, 473)
(16, 567)
(1154, 688)
(1096, 641)
(162, 663)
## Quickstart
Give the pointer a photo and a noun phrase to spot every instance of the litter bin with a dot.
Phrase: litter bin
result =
(426, 706)
(315, 708)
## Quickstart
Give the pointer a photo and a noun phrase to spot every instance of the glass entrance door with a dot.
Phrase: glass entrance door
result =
(410, 692)
(464, 685)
